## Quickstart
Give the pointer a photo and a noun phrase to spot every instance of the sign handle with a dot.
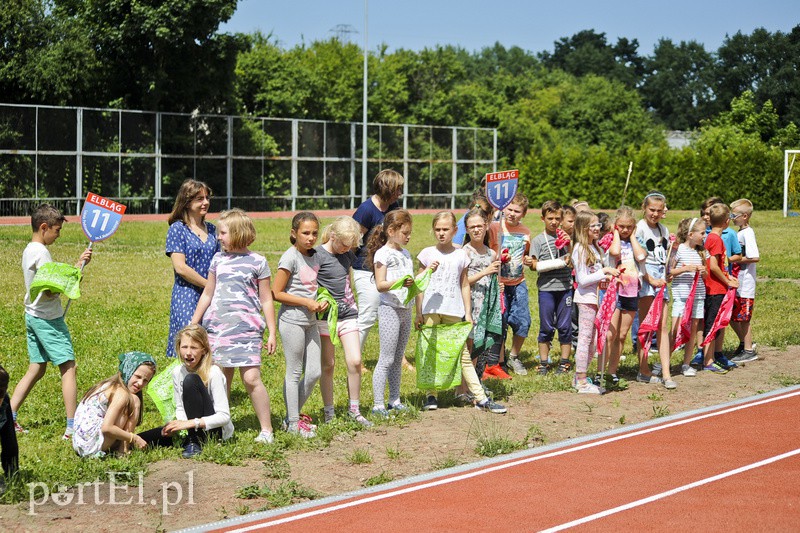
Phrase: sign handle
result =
(627, 181)
(83, 264)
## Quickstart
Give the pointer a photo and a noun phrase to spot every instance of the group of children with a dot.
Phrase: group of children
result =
(476, 273)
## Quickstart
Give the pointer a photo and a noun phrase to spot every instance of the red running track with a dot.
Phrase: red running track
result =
(734, 468)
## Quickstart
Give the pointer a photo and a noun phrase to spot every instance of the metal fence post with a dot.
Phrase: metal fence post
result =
(352, 165)
(79, 159)
(36, 157)
(229, 162)
(294, 163)
(157, 177)
(454, 175)
(405, 166)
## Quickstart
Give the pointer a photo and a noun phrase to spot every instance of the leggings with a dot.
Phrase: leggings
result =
(197, 403)
(8, 440)
(394, 327)
(586, 342)
(302, 350)
(467, 369)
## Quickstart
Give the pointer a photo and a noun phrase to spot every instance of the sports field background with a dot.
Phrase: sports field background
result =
(125, 306)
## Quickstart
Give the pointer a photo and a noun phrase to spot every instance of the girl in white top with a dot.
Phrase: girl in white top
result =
(589, 272)
(447, 300)
(654, 238)
(200, 395)
(688, 260)
(391, 261)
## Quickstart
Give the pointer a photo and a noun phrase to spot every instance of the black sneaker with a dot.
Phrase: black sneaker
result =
(191, 449)
(724, 362)
(745, 357)
(430, 404)
(543, 369)
(563, 367)
(492, 407)
(738, 351)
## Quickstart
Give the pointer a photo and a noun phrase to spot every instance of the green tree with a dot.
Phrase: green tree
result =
(588, 52)
(679, 84)
(46, 56)
(768, 64)
(161, 54)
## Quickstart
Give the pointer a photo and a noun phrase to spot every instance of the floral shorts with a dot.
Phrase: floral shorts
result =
(742, 309)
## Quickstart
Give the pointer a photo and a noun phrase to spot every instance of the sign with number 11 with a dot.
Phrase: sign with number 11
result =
(501, 187)
(100, 217)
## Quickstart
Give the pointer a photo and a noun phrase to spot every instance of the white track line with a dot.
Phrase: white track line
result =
(670, 492)
(475, 473)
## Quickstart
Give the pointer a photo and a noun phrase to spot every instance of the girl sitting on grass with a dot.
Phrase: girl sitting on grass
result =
(201, 401)
(111, 410)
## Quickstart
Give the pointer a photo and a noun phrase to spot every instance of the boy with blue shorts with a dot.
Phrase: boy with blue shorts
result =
(552, 261)
(514, 242)
(48, 337)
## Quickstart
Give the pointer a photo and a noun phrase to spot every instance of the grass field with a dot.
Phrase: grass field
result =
(125, 306)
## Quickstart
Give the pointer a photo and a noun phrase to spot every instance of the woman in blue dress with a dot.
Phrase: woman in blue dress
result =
(191, 243)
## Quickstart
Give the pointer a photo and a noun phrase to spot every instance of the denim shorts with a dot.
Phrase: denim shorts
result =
(628, 303)
(658, 272)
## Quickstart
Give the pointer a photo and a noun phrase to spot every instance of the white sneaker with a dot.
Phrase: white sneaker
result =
(303, 429)
(516, 365)
(688, 371)
(587, 387)
(265, 437)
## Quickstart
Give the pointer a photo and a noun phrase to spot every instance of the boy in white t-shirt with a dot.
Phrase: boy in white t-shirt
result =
(741, 211)
(48, 337)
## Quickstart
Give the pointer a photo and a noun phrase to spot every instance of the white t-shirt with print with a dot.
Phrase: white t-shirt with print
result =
(443, 295)
(747, 275)
(398, 263)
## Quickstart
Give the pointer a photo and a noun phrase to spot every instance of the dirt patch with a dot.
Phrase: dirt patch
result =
(177, 494)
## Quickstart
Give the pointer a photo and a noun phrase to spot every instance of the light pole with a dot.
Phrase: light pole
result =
(364, 110)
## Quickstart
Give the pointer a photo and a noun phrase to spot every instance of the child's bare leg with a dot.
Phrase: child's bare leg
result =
(544, 351)
(516, 345)
(719, 341)
(352, 360)
(326, 378)
(625, 322)
(227, 371)
(747, 334)
(688, 352)
(126, 423)
(251, 376)
(35, 373)
(69, 387)
(613, 345)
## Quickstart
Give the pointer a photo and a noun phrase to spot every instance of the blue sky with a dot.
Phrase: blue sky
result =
(532, 25)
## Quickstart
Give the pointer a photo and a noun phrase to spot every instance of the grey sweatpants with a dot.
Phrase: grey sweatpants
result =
(302, 351)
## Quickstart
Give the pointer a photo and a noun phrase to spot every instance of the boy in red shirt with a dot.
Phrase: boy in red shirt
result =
(717, 284)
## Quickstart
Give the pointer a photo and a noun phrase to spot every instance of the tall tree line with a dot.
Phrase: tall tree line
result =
(580, 109)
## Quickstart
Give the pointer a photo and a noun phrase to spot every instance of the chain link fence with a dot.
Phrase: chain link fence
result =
(140, 158)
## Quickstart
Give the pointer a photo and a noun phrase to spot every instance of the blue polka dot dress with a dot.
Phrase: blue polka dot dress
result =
(185, 296)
